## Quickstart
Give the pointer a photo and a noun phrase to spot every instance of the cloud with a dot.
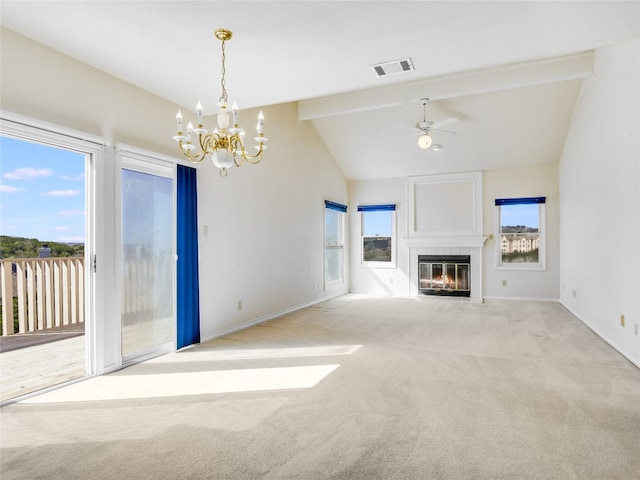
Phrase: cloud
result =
(27, 173)
(73, 178)
(61, 193)
(10, 189)
(71, 213)
(61, 229)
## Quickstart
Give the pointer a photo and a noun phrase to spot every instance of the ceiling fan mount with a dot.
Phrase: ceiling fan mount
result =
(425, 124)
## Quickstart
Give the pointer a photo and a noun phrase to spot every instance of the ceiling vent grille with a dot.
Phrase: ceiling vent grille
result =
(391, 68)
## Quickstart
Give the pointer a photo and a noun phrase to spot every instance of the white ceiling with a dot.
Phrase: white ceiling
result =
(472, 58)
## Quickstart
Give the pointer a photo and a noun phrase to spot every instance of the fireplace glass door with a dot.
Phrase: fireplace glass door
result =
(444, 277)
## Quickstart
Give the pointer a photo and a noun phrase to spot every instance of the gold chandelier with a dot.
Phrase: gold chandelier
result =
(224, 145)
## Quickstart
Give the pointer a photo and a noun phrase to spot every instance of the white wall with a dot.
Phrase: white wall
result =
(539, 181)
(379, 281)
(44, 84)
(265, 222)
(599, 201)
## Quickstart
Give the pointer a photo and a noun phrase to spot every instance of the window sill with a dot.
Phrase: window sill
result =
(522, 267)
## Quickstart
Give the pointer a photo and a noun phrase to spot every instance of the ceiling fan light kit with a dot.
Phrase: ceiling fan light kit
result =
(424, 141)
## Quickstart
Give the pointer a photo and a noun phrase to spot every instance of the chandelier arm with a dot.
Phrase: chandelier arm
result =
(205, 143)
(254, 158)
(238, 147)
(194, 158)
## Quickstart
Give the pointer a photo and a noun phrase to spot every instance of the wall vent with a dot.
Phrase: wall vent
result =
(391, 68)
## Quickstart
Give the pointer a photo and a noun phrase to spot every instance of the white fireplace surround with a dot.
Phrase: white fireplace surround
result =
(444, 245)
(445, 218)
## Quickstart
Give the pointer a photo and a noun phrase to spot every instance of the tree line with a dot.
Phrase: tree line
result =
(20, 247)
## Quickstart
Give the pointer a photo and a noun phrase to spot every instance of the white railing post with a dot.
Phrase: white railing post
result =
(40, 295)
(22, 296)
(31, 296)
(57, 294)
(48, 276)
(7, 298)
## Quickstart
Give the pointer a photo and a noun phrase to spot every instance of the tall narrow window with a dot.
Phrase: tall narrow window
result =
(334, 239)
(521, 233)
(378, 227)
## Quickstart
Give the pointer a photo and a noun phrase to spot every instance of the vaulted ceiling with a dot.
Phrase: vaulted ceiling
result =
(510, 72)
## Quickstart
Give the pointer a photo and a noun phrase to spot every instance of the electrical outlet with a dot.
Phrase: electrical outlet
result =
(622, 320)
(315, 287)
(239, 304)
(504, 283)
(575, 294)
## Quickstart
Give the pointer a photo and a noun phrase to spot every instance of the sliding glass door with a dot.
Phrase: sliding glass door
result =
(148, 259)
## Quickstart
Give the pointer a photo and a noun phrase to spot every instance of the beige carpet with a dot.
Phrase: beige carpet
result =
(354, 388)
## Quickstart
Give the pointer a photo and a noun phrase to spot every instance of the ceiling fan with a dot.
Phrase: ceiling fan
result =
(427, 127)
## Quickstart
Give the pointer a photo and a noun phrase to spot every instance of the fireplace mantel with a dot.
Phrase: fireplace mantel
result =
(470, 241)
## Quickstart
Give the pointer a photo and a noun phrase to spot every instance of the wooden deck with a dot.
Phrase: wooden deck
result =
(33, 361)
(18, 341)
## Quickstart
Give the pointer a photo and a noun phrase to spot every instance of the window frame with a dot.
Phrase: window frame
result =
(341, 211)
(540, 265)
(363, 210)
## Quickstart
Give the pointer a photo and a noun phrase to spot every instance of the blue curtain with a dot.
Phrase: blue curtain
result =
(520, 201)
(376, 208)
(188, 301)
(338, 207)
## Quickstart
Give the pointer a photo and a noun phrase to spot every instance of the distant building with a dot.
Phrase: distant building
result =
(44, 251)
(519, 243)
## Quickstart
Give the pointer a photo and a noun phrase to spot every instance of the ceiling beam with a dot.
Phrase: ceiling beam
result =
(451, 86)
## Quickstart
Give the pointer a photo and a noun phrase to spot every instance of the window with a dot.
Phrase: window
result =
(378, 227)
(334, 239)
(521, 233)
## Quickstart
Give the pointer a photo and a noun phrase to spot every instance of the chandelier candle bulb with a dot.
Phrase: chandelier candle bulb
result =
(179, 120)
(234, 110)
(199, 112)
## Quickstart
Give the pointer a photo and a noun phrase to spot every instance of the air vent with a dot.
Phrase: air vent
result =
(391, 68)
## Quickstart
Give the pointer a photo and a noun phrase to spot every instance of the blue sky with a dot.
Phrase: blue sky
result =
(378, 223)
(42, 192)
(512, 215)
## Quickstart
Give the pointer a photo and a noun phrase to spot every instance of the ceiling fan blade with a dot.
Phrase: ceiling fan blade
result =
(444, 131)
(443, 123)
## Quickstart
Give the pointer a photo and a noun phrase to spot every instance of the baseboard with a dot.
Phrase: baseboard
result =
(266, 318)
(595, 330)
(524, 299)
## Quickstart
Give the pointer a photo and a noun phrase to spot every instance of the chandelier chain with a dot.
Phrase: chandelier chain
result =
(224, 97)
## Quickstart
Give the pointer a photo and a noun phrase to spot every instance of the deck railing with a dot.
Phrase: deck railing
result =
(49, 293)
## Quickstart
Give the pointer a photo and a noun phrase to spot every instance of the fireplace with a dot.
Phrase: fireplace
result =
(445, 275)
